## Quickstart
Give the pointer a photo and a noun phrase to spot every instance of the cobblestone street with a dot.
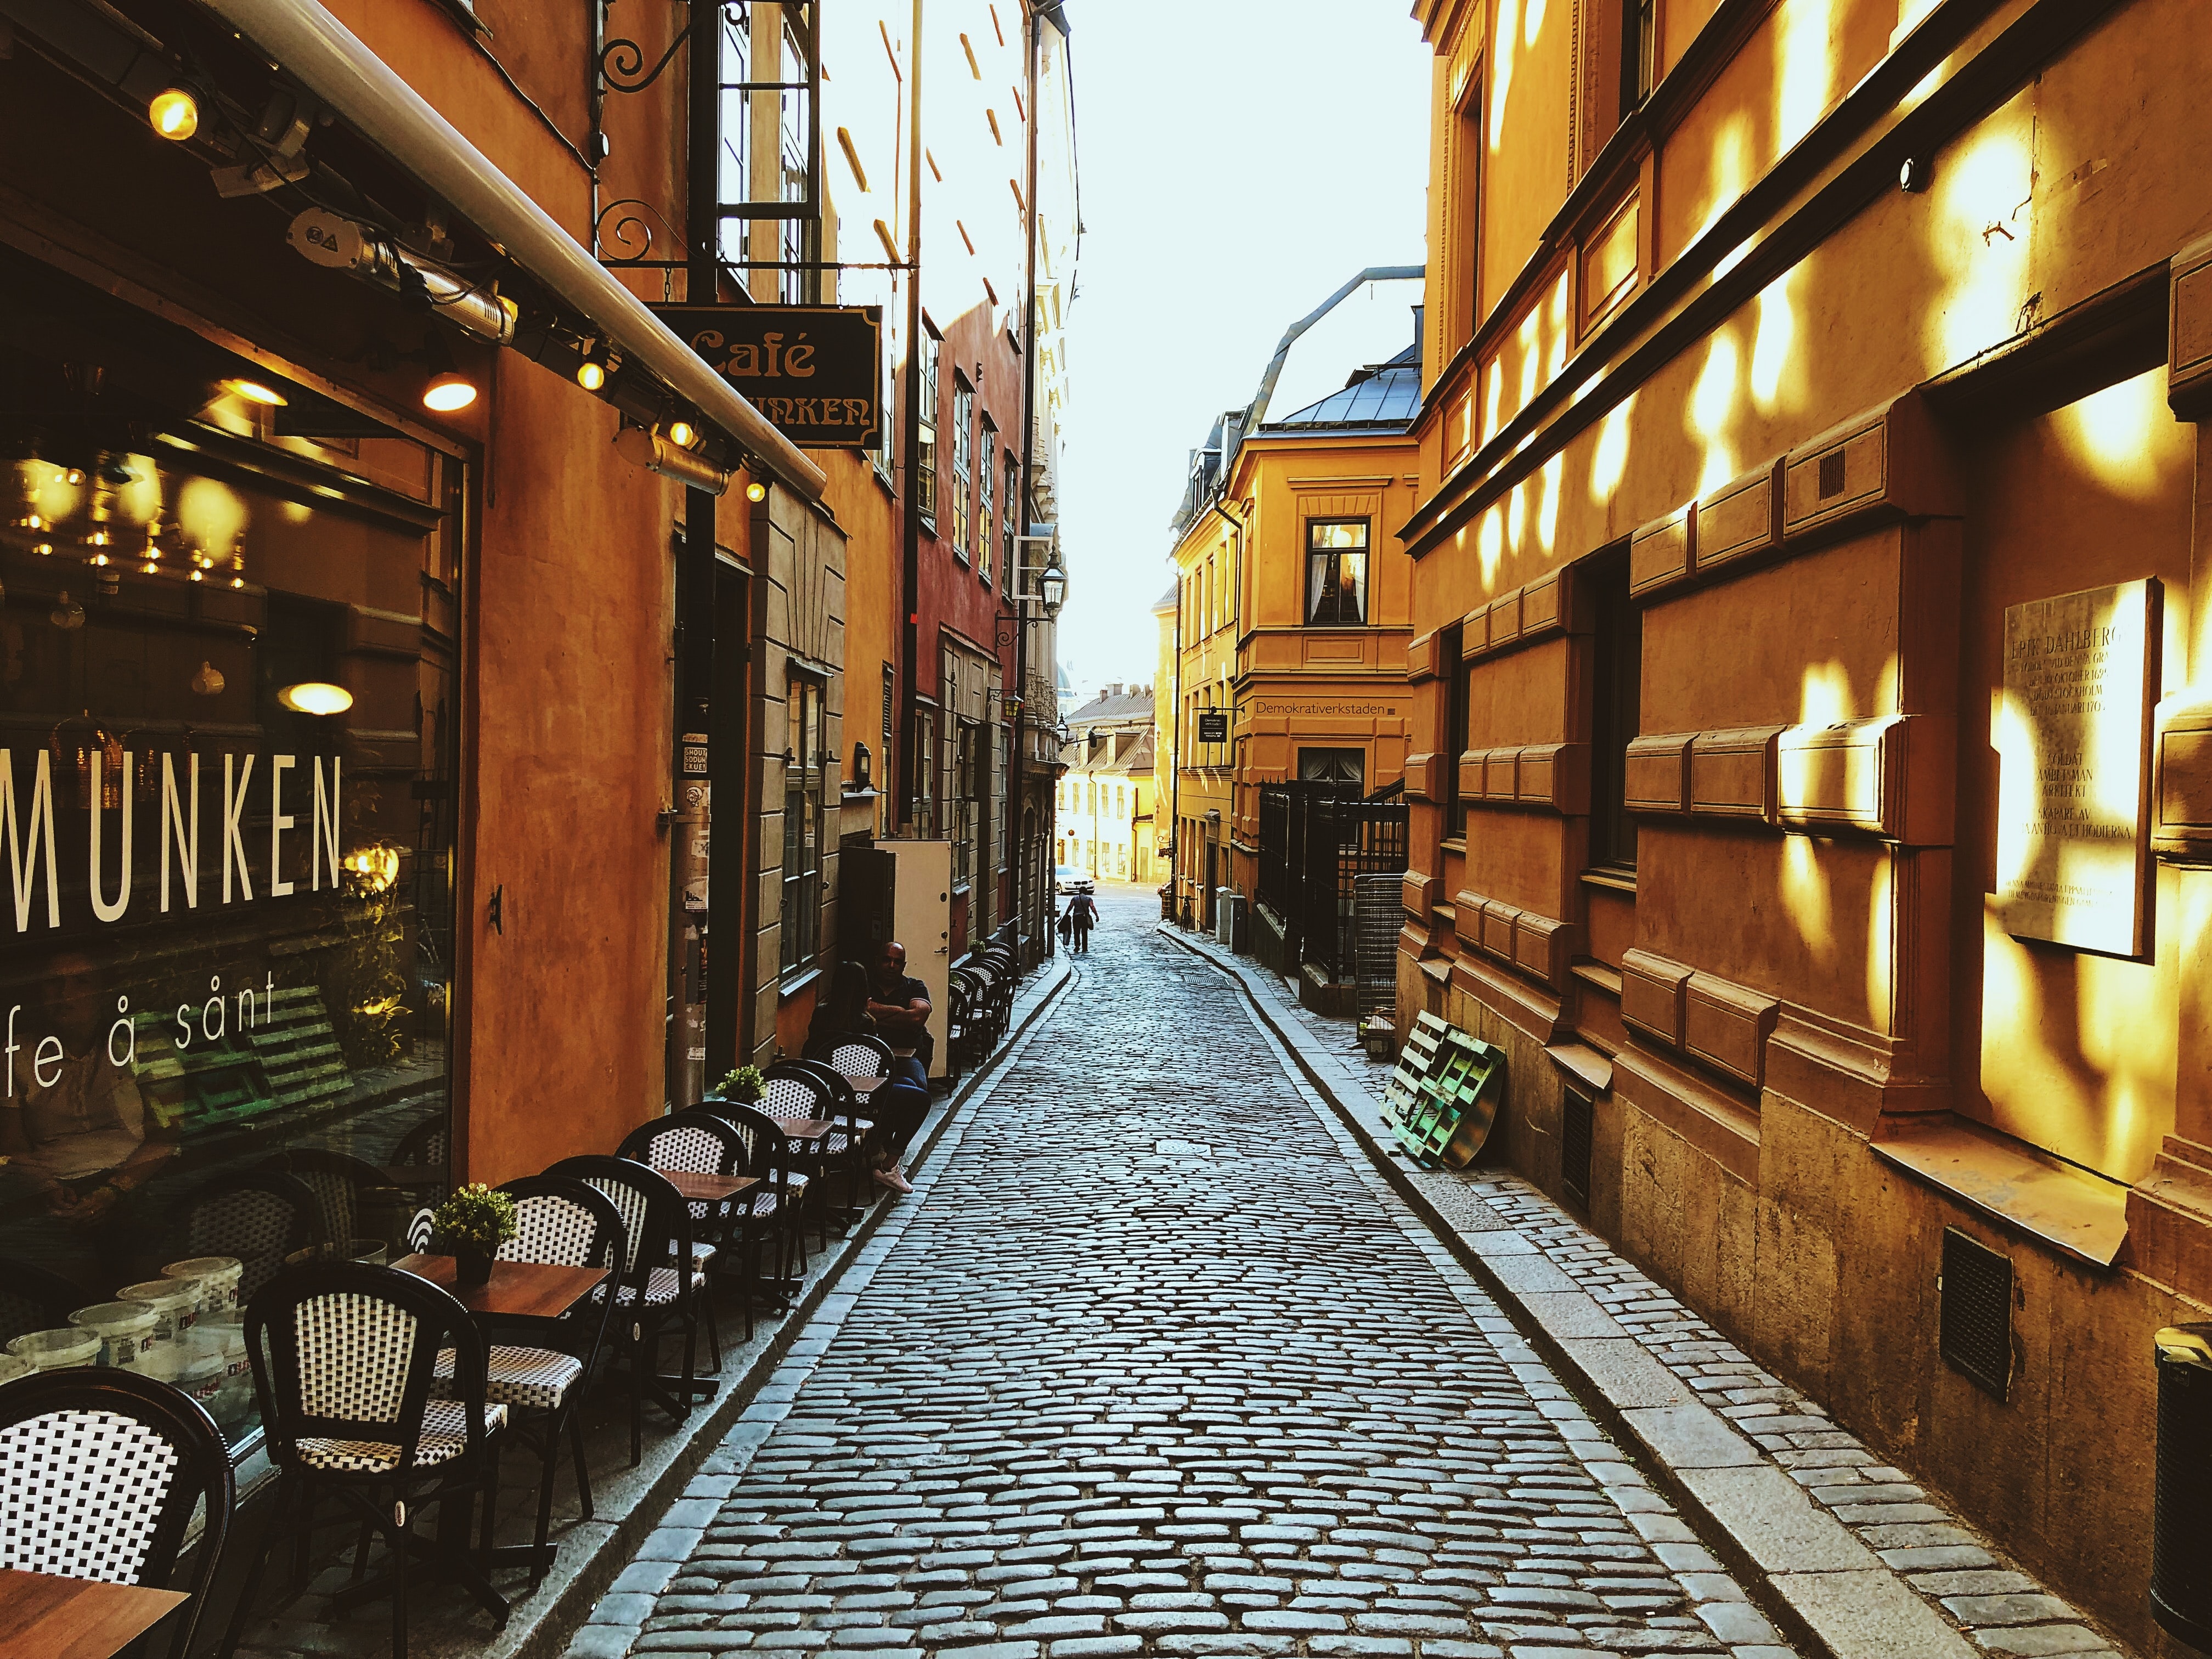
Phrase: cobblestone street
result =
(1147, 1364)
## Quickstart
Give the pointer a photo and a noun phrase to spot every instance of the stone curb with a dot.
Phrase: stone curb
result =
(1815, 1576)
(601, 1580)
(609, 1595)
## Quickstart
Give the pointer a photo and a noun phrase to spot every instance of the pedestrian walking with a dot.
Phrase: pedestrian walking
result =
(1083, 916)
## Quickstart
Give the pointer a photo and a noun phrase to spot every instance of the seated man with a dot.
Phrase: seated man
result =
(899, 1008)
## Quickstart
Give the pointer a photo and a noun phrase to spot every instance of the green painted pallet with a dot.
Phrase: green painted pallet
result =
(1442, 1115)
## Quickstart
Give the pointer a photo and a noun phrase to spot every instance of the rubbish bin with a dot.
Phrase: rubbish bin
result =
(2181, 1522)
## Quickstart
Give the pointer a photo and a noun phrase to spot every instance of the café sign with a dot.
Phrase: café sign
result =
(812, 370)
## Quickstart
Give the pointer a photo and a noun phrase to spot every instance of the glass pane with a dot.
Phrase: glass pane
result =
(1353, 534)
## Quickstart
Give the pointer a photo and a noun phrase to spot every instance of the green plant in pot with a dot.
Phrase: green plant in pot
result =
(746, 1085)
(473, 1223)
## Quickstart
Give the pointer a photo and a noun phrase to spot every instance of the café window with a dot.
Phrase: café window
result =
(1346, 768)
(963, 463)
(230, 653)
(802, 822)
(986, 516)
(1336, 571)
(924, 475)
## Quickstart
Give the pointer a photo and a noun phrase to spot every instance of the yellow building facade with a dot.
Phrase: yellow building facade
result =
(1808, 663)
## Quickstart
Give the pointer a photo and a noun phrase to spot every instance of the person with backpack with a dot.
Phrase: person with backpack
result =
(1082, 917)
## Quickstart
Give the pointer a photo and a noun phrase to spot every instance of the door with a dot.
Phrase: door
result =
(867, 904)
(922, 922)
(1212, 881)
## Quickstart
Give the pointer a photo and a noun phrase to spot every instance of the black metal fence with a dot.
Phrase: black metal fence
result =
(1315, 843)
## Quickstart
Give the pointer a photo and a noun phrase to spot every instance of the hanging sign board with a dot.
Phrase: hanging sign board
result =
(1214, 727)
(2080, 675)
(812, 370)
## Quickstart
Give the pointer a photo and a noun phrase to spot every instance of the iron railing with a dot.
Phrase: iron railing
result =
(1315, 843)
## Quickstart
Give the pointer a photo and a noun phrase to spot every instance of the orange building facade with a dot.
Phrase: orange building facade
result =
(1807, 614)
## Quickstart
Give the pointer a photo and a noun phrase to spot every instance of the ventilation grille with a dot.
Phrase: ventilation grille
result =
(1831, 474)
(1976, 1311)
(1575, 1130)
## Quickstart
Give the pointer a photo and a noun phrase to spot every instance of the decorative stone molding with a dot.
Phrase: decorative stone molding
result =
(1709, 1019)
(1740, 521)
(1659, 553)
(1888, 776)
(1549, 777)
(1540, 946)
(1421, 655)
(2189, 332)
(1537, 611)
(1419, 899)
(1424, 777)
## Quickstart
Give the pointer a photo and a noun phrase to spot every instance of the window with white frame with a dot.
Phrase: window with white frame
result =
(925, 474)
(986, 518)
(1336, 571)
(963, 462)
(802, 823)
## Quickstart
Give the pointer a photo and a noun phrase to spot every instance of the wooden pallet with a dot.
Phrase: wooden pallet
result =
(298, 1050)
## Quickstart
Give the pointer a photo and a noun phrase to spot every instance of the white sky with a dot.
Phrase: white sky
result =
(1240, 161)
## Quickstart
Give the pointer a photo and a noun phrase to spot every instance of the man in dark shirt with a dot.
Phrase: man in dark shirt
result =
(900, 1007)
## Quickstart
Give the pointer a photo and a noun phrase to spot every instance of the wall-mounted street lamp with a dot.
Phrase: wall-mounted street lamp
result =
(1052, 587)
(863, 769)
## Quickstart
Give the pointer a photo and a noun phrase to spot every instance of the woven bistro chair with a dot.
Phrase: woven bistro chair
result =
(847, 1150)
(795, 1093)
(780, 1200)
(660, 1283)
(852, 1054)
(338, 1181)
(697, 1143)
(259, 1217)
(345, 1357)
(99, 1474)
(541, 1373)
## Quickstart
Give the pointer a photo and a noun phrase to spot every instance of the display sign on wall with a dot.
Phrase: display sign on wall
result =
(812, 370)
(1214, 728)
(2073, 734)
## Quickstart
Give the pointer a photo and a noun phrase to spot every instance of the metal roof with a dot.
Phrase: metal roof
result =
(1382, 397)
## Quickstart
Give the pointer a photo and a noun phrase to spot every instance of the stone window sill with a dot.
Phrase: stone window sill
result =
(2082, 1214)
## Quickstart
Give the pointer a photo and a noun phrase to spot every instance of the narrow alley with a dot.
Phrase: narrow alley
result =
(1147, 1366)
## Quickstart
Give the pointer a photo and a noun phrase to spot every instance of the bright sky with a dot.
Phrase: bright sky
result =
(1240, 160)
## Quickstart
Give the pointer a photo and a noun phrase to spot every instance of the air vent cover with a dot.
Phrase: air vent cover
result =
(1577, 1116)
(1976, 1311)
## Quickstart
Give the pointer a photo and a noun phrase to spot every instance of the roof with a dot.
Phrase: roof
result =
(1382, 397)
(1133, 705)
(1135, 760)
(1168, 600)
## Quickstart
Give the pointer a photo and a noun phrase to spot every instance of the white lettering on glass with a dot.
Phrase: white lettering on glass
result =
(233, 843)
(42, 1059)
(279, 821)
(323, 832)
(23, 846)
(101, 907)
(187, 833)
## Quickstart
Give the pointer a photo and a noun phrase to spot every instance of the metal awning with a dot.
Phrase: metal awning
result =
(330, 61)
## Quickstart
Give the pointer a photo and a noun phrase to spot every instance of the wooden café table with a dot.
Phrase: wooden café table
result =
(516, 1290)
(707, 1189)
(45, 1617)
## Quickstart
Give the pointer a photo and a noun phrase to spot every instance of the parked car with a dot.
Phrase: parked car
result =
(1069, 879)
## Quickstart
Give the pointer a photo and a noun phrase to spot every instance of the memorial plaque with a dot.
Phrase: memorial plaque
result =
(2081, 674)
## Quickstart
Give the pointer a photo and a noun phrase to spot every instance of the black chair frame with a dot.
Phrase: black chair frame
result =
(202, 1479)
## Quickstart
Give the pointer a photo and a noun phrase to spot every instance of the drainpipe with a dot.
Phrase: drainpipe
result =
(910, 441)
(1033, 24)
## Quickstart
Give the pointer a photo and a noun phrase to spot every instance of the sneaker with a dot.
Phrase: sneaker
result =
(892, 1179)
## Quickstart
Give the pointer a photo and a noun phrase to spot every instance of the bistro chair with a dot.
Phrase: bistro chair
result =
(541, 1375)
(101, 1471)
(428, 1145)
(344, 1358)
(780, 1200)
(697, 1143)
(34, 1299)
(339, 1182)
(259, 1216)
(852, 1054)
(658, 1283)
(795, 1093)
(845, 1148)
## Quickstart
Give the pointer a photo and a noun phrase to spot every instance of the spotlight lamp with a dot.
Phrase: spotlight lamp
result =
(316, 697)
(1913, 174)
(174, 113)
(592, 373)
(755, 491)
(253, 392)
(684, 435)
(449, 390)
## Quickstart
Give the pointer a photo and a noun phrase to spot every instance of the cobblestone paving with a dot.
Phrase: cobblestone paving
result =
(1147, 1366)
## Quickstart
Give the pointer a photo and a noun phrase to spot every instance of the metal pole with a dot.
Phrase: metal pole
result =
(910, 440)
(1036, 22)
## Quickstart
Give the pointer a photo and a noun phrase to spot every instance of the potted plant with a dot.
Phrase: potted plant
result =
(473, 1223)
(746, 1085)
